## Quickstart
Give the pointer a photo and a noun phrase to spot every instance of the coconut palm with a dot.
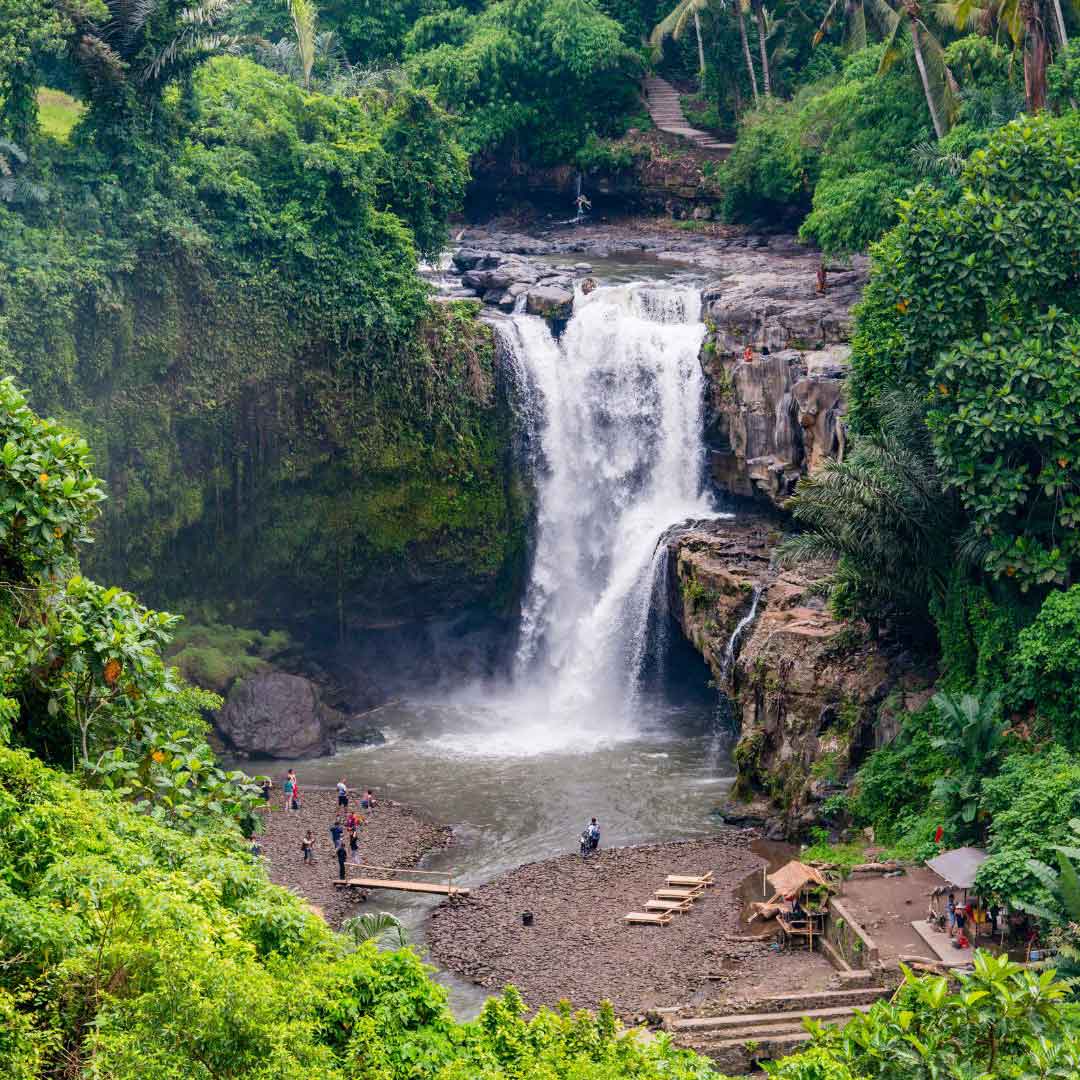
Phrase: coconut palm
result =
(893, 19)
(1025, 21)
(762, 36)
(377, 926)
(676, 22)
(305, 18)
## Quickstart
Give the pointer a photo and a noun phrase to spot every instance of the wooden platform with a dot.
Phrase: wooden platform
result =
(438, 889)
(684, 881)
(678, 894)
(661, 919)
(677, 906)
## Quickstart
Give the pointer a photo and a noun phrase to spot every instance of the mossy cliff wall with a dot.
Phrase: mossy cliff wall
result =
(266, 474)
(811, 695)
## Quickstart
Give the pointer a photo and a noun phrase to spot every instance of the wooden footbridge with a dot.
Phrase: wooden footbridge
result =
(675, 898)
(387, 877)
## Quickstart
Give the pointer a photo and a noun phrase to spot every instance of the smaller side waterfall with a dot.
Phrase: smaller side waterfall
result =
(731, 653)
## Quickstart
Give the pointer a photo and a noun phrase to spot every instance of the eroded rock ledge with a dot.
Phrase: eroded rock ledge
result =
(811, 695)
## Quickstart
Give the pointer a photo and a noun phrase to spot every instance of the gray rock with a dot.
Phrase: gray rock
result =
(550, 302)
(278, 715)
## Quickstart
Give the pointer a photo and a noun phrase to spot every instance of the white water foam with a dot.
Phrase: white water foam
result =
(613, 413)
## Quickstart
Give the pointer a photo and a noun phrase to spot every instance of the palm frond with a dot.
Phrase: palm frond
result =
(376, 926)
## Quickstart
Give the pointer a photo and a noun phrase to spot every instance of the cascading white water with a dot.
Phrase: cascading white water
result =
(615, 412)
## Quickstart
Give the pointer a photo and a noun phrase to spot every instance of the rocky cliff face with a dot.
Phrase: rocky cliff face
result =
(779, 415)
(811, 695)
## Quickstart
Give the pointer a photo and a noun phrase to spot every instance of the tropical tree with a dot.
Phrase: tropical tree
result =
(762, 35)
(972, 735)
(893, 20)
(675, 23)
(305, 19)
(1027, 23)
(135, 49)
(882, 516)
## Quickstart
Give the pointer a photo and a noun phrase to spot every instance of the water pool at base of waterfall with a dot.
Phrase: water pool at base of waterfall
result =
(512, 801)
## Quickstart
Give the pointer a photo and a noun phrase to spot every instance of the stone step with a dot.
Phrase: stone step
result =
(776, 1047)
(858, 995)
(766, 1019)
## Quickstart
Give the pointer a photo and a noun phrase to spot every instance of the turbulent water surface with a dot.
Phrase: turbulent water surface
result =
(606, 712)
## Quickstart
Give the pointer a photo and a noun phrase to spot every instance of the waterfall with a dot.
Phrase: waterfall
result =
(732, 650)
(614, 412)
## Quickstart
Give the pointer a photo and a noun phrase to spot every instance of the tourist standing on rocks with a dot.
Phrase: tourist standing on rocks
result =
(368, 801)
(290, 788)
(337, 830)
(267, 784)
(307, 846)
(341, 860)
(354, 845)
(256, 848)
(342, 793)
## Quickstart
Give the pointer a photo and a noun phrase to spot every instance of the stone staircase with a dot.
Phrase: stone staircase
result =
(765, 1029)
(662, 100)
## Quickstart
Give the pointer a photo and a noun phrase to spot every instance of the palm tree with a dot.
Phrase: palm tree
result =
(938, 84)
(882, 515)
(759, 18)
(973, 734)
(14, 187)
(1025, 21)
(675, 23)
(739, 7)
(305, 18)
(375, 926)
(142, 44)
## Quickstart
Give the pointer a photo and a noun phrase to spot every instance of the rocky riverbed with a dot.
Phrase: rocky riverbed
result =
(579, 949)
(392, 835)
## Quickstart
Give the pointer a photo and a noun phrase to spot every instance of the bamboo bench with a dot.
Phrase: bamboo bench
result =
(648, 918)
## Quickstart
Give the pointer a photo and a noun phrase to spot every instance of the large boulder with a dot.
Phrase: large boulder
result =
(278, 715)
(550, 302)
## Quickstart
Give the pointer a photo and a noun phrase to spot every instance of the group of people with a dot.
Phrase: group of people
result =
(344, 832)
(964, 920)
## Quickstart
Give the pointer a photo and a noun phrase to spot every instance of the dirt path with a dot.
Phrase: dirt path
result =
(392, 835)
(579, 948)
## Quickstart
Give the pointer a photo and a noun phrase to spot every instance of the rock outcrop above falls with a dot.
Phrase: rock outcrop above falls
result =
(770, 420)
(780, 414)
(811, 695)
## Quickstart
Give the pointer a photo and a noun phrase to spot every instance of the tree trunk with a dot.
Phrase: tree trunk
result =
(759, 15)
(700, 50)
(1059, 24)
(1036, 55)
(746, 49)
(920, 62)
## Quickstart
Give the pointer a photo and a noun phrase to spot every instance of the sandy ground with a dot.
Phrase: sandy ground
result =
(579, 948)
(392, 835)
